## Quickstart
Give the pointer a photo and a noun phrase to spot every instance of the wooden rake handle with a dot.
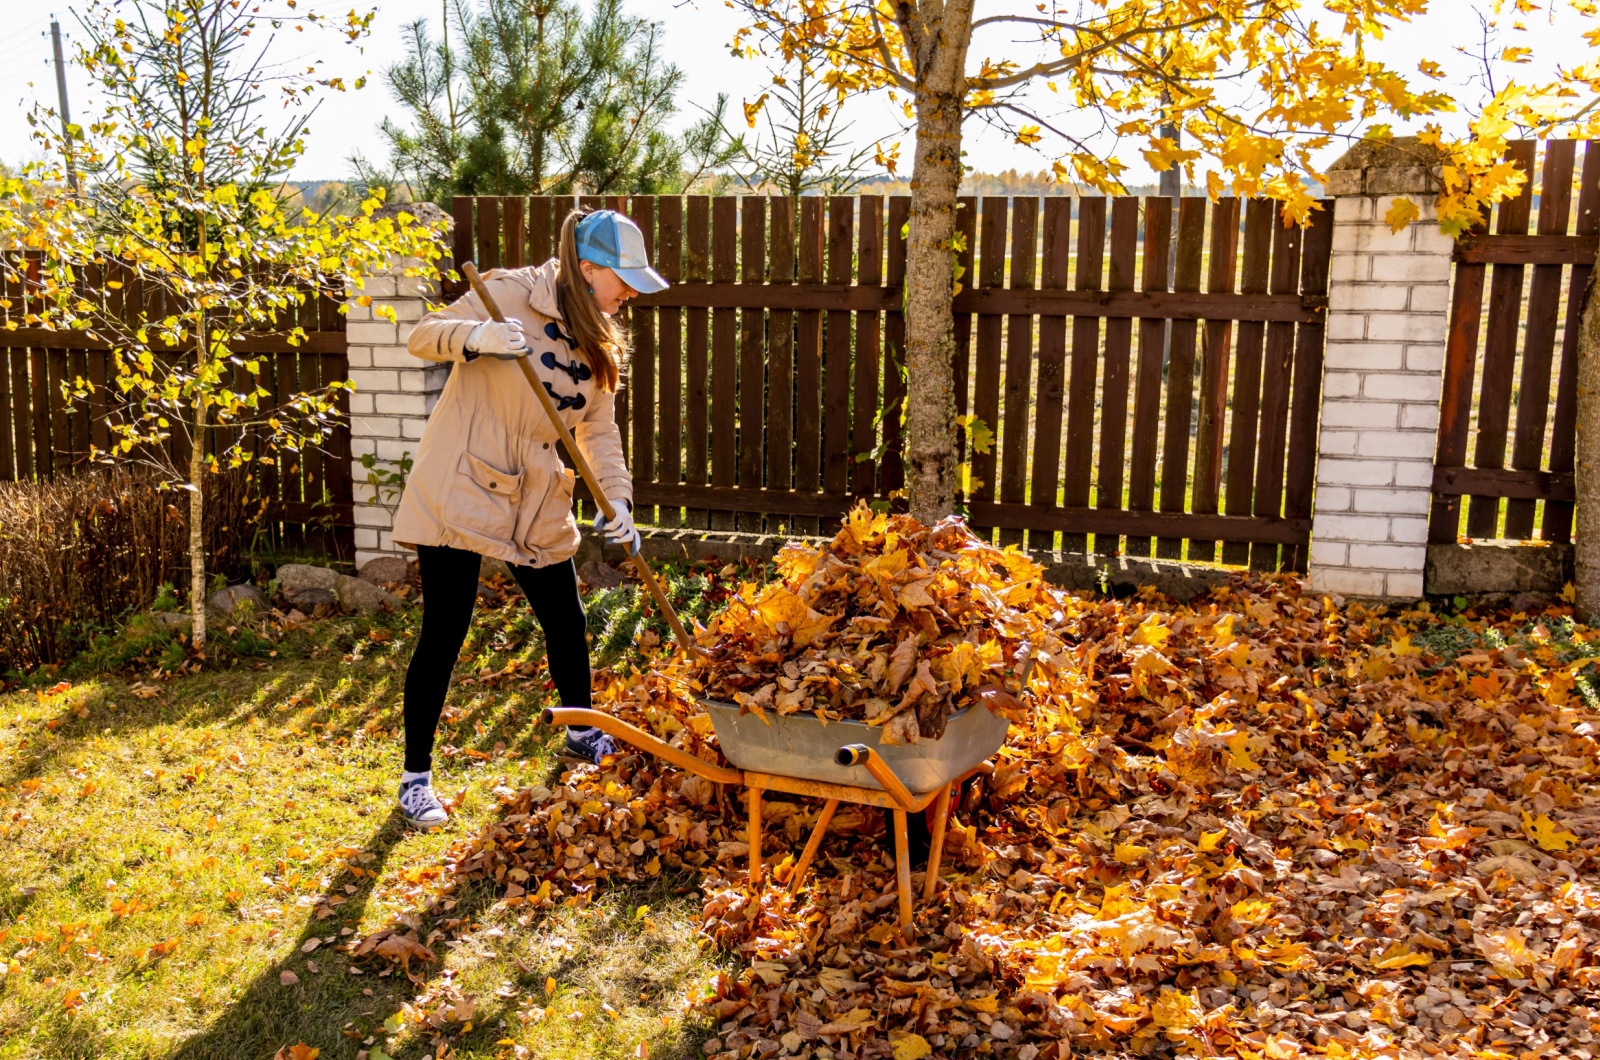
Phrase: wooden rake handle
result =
(579, 461)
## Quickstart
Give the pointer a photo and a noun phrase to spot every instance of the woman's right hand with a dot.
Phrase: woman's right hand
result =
(502, 341)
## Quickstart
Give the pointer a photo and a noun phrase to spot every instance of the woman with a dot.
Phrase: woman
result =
(488, 480)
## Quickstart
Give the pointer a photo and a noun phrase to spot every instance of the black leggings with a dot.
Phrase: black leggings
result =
(449, 590)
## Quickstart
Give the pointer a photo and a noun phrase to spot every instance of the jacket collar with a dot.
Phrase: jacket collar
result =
(540, 283)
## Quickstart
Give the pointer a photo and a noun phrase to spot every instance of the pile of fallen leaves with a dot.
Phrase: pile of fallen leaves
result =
(1267, 824)
(894, 623)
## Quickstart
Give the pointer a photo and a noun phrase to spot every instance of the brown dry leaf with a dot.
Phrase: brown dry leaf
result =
(401, 950)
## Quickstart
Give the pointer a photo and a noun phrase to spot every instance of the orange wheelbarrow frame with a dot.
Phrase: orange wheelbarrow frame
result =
(893, 796)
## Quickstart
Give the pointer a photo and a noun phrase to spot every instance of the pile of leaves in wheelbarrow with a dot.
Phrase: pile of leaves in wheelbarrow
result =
(893, 623)
(1265, 824)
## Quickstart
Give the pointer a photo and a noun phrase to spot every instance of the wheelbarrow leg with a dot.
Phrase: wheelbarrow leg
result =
(812, 845)
(754, 796)
(941, 817)
(902, 857)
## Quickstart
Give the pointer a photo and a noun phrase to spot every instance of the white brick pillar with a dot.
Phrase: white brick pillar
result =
(393, 396)
(1388, 315)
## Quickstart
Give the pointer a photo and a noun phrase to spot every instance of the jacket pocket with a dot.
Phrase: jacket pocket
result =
(484, 498)
(550, 524)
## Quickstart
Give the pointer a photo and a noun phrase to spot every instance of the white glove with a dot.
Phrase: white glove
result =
(502, 341)
(621, 530)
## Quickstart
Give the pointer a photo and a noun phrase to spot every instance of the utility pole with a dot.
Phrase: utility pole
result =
(61, 95)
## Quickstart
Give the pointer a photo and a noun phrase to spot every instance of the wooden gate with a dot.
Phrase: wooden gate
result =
(1514, 339)
(1134, 407)
(45, 434)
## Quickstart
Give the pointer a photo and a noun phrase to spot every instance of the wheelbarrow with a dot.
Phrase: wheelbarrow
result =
(840, 761)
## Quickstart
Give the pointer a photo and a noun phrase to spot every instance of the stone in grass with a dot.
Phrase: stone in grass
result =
(364, 597)
(315, 602)
(236, 601)
(385, 570)
(601, 575)
(293, 577)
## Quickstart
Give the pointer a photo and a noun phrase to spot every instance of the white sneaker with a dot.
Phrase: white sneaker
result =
(419, 804)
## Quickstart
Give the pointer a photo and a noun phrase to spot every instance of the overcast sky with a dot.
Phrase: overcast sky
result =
(697, 35)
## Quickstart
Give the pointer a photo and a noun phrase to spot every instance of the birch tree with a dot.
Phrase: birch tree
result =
(180, 204)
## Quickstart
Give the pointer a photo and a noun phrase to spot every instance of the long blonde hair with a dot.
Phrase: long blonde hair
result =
(601, 340)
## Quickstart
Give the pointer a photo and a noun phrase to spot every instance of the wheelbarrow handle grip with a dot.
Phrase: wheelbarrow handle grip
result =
(632, 734)
(859, 754)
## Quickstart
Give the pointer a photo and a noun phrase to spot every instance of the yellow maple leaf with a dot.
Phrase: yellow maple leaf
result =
(1152, 632)
(1176, 1011)
(1239, 752)
(910, 1047)
(1399, 955)
(1547, 833)
(1507, 951)
(1401, 213)
(1128, 853)
(1338, 755)
(1251, 910)
(1211, 841)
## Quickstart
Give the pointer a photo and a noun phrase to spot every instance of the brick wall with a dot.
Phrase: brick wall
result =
(394, 394)
(1388, 317)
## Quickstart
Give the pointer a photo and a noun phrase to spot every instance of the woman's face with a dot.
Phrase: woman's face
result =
(609, 289)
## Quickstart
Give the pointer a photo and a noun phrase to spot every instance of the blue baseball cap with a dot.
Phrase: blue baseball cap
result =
(607, 238)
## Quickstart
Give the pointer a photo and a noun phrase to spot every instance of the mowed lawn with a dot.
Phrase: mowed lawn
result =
(182, 861)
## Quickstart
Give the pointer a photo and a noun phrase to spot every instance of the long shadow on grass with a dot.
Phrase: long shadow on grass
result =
(269, 1013)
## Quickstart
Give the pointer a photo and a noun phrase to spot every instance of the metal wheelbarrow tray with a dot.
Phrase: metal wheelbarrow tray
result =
(842, 761)
(801, 745)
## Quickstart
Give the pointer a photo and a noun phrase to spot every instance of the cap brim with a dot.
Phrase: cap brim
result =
(645, 280)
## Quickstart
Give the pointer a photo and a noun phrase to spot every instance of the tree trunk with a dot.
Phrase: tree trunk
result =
(930, 438)
(1586, 480)
(197, 540)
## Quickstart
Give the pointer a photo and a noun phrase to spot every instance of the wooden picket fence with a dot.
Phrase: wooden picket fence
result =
(45, 434)
(1513, 338)
(766, 384)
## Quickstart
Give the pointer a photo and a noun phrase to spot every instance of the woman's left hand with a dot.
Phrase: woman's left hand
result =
(619, 531)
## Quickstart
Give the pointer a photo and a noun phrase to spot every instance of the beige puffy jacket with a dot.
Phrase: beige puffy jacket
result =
(487, 476)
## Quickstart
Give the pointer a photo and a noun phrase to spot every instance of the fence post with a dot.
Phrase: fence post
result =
(1388, 318)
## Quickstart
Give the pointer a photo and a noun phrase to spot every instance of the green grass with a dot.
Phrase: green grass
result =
(168, 859)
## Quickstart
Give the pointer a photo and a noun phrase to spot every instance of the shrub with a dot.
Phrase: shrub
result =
(79, 553)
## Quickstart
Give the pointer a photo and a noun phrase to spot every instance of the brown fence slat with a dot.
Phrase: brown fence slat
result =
(1244, 424)
(1563, 432)
(8, 471)
(461, 233)
(1305, 400)
(892, 475)
(961, 356)
(986, 360)
(752, 355)
(1500, 348)
(1051, 389)
(864, 392)
(488, 243)
(513, 233)
(1504, 482)
(808, 362)
(540, 227)
(724, 353)
(780, 355)
(1019, 364)
(1123, 261)
(1215, 357)
(1180, 372)
(1276, 374)
(836, 364)
(696, 432)
(1147, 386)
(1539, 341)
(1539, 249)
(1081, 388)
(669, 262)
(642, 377)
